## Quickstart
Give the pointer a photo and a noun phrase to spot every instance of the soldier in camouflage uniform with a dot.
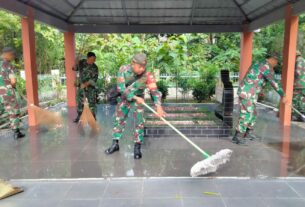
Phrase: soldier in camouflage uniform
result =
(248, 91)
(132, 96)
(86, 84)
(299, 86)
(8, 102)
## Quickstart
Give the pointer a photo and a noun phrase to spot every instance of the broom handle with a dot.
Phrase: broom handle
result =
(176, 130)
(297, 111)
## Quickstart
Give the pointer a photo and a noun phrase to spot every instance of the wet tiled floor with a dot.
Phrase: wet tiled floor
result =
(159, 192)
(56, 159)
(70, 153)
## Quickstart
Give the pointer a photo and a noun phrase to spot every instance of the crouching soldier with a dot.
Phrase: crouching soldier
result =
(8, 101)
(132, 80)
(299, 86)
(248, 91)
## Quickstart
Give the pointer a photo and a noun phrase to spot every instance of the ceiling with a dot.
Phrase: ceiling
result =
(155, 15)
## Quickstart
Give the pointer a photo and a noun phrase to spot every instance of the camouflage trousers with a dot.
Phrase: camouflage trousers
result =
(90, 94)
(247, 114)
(9, 108)
(298, 100)
(121, 113)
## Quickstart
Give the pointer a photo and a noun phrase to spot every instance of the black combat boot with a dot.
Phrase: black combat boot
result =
(250, 134)
(76, 120)
(238, 138)
(137, 151)
(113, 148)
(18, 134)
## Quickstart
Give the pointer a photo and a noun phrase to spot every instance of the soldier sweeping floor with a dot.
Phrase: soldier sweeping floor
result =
(257, 76)
(299, 87)
(8, 102)
(86, 84)
(132, 80)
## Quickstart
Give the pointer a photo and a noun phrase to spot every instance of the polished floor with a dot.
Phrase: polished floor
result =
(71, 153)
(159, 192)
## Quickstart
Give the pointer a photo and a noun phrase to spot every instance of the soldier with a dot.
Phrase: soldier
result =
(8, 101)
(86, 84)
(299, 86)
(132, 80)
(249, 88)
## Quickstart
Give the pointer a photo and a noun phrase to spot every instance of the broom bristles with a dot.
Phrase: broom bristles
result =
(211, 164)
(47, 118)
(88, 118)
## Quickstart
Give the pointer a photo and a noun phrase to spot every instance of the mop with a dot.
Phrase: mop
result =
(47, 118)
(208, 165)
(88, 118)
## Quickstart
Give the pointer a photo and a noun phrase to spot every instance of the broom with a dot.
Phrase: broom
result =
(88, 118)
(208, 165)
(47, 118)
(7, 189)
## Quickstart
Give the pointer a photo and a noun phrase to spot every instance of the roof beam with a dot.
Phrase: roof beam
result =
(269, 18)
(75, 9)
(125, 12)
(156, 28)
(298, 7)
(193, 9)
(39, 15)
(241, 10)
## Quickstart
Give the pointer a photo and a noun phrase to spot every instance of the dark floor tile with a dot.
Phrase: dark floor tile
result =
(87, 190)
(79, 203)
(289, 202)
(124, 189)
(202, 202)
(162, 202)
(158, 188)
(244, 202)
(298, 186)
(196, 187)
(106, 202)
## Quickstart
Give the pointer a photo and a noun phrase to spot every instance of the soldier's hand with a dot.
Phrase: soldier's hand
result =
(84, 85)
(139, 100)
(160, 111)
(284, 100)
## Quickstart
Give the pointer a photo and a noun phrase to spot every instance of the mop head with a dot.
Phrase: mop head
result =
(47, 118)
(87, 118)
(211, 164)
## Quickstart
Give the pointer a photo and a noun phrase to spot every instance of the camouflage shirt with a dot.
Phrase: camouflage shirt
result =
(256, 77)
(7, 71)
(137, 88)
(299, 74)
(87, 72)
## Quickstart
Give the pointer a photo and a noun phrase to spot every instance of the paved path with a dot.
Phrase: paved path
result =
(159, 192)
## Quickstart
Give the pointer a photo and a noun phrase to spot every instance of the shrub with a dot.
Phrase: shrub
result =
(163, 88)
(200, 91)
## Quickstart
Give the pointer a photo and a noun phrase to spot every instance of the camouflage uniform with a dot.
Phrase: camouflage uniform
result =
(126, 102)
(87, 73)
(8, 102)
(299, 85)
(248, 91)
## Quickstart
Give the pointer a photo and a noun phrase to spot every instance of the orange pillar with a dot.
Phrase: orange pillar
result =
(29, 56)
(246, 43)
(289, 55)
(69, 40)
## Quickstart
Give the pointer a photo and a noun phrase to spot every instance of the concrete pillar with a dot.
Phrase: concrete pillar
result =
(289, 56)
(246, 44)
(29, 56)
(69, 41)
